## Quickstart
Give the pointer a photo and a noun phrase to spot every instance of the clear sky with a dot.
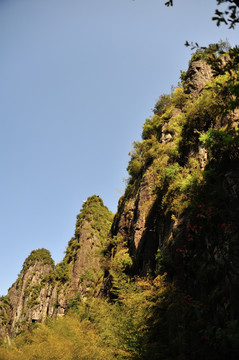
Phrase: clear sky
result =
(77, 80)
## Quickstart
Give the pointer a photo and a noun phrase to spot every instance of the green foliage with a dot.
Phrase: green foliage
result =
(183, 76)
(4, 310)
(179, 98)
(49, 278)
(118, 263)
(68, 338)
(152, 127)
(88, 276)
(182, 123)
(149, 319)
(181, 188)
(136, 163)
(42, 256)
(163, 262)
(206, 112)
(195, 316)
(220, 66)
(74, 302)
(94, 330)
(222, 144)
(72, 249)
(122, 260)
(228, 83)
(135, 167)
(62, 272)
(205, 53)
(97, 215)
(5, 300)
(171, 171)
(230, 16)
(162, 104)
(33, 295)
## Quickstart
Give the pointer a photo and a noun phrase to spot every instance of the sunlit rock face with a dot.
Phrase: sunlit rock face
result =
(198, 74)
(43, 289)
(29, 297)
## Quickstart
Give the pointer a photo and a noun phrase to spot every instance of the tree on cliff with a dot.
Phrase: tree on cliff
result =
(230, 16)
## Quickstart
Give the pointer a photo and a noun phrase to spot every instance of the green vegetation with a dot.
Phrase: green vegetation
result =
(187, 306)
(4, 310)
(42, 256)
(94, 330)
(221, 144)
(94, 221)
(169, 151)
(62, 272)
(97, 214)
(149, 319)
(216, 49)
(34, 293)
(187, 148)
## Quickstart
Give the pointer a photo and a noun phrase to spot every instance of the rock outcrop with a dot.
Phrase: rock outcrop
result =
(43, 289)
(154, 212)
(178, 216)
(198, 74)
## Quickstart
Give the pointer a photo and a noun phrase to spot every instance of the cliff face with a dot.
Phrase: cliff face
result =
(197, 75)
(179, 213)
(174, 169)
(178, 216)
(43, 289)
(28, 300)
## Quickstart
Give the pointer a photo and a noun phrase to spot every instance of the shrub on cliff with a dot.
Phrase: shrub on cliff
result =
(42, 256)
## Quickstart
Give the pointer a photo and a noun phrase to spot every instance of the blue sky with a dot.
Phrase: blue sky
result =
(77, 80)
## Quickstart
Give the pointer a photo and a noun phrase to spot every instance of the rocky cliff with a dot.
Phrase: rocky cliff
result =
(43, 289)
(174, 170)
(178, 218)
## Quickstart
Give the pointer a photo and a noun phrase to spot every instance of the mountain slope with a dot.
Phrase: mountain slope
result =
(43, 289)
(160, 279)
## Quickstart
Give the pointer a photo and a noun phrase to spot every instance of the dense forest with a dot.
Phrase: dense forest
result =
(160, 278)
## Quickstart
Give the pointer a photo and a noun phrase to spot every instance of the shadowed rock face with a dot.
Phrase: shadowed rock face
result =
(141, 220)
(135, 224)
